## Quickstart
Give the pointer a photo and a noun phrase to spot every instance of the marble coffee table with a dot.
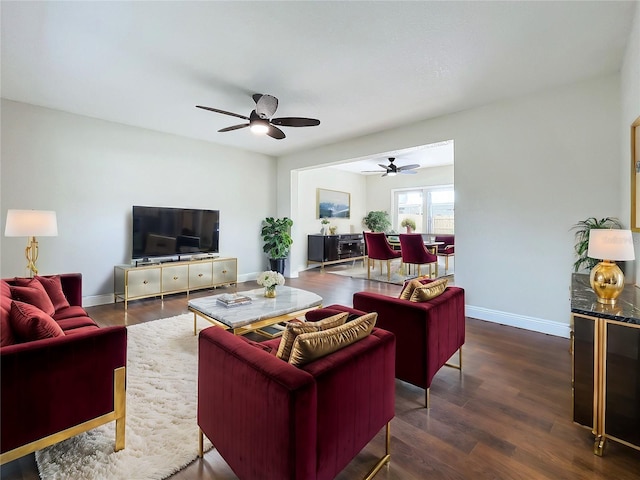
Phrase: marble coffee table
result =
(261, 312)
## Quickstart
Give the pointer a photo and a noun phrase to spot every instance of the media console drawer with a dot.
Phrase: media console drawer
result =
(133, 283)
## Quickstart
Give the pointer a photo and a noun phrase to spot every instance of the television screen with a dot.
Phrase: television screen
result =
(163, 231)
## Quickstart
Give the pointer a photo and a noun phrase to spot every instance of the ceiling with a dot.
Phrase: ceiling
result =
(359, 67)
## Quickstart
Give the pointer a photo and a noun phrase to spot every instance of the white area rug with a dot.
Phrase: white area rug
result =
(398, 274)
(161, 427)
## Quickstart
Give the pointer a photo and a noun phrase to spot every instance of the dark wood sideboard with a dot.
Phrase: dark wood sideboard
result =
(332, 249)
(606, 364)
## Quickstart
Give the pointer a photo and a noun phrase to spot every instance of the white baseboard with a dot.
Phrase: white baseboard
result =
(521, 321)
(93, 300)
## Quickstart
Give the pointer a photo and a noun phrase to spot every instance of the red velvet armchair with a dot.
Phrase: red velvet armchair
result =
(447, 249)
(55, 388)
(427, 334)
(271, 420)
(378, 248)
(415, 253)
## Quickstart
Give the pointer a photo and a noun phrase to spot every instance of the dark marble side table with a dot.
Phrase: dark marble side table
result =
(606, 364)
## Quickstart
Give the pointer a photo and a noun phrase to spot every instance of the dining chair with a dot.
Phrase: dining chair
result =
(415, 253)
(447, 249)
(378, 248)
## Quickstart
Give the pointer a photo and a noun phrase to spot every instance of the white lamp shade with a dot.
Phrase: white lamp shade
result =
(610, 244)
(31, 223)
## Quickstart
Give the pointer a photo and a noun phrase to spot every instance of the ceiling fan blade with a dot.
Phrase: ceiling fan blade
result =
(266, 106)
(408, 167)
(384, 174)
(275, 132)
(295, 122)
(234, 127)
(407, 172)
(384, 166)
(223, 112)
(371, 171)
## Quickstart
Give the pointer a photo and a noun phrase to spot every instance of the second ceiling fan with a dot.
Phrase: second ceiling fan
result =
(260, 121)
(392, 169)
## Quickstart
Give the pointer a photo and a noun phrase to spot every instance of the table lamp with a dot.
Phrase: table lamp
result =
(29, 223)
(609, 245)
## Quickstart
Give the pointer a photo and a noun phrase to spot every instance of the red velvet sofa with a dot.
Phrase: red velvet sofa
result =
(271, 420)
(427, 333)
(54, 388)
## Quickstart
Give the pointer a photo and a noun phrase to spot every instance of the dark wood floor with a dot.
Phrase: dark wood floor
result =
(506, 416)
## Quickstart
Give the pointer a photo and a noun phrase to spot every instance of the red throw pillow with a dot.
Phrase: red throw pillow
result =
(320, 314)
(30, 323)
(259, 345)
(53, 287)
(34, 294)
(5, 298)
(6, 332)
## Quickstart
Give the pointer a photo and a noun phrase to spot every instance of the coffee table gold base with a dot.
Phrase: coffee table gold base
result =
(252, 326)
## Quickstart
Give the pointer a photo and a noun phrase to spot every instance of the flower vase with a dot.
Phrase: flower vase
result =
(270, 292)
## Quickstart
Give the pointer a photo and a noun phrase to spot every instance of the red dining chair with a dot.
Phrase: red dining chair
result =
(447, 249)
(415, 253)
(378, 248)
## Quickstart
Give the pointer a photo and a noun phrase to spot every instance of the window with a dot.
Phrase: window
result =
(432, 208)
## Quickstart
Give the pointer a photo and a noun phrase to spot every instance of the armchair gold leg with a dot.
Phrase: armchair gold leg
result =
(427, 398)
(386, 458)
(200, 443)
(388, 270)
(459, 366)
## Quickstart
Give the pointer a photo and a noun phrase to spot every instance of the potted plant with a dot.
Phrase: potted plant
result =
(409, 224)
(377, 221)
(277, 241)
(581, 247)
(325, 221)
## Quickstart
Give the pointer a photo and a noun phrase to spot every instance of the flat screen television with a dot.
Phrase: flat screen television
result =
(170, 232)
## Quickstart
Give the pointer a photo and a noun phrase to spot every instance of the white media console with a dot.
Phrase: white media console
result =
(143, 281)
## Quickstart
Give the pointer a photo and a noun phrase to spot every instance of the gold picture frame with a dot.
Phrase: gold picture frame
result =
(635, 175)
(333, 204)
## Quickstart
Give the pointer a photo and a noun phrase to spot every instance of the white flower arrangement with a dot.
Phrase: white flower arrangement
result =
(270, 279)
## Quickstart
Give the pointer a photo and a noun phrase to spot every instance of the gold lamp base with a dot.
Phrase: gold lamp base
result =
(607, 280)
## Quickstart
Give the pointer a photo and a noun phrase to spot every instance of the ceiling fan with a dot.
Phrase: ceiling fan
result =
(392, 169)
(260, 121)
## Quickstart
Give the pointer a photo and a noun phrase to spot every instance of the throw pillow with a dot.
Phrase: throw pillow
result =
(429, 291)
(34, 294)
(259, 345)
(320, 313)
(53, 287)
(30, 323)
(6, 332)
(5, 298)
(409, 287)
(295, 329)
(311, 346)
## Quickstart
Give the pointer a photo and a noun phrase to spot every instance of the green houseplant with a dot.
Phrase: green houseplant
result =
(377, 221)
(581, 246)
(409, 224)
(276, 233)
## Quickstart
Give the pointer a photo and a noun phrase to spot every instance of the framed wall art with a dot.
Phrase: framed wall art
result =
(635, 175)
(333, 204)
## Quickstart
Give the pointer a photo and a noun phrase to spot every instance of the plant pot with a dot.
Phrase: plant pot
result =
(277, 265)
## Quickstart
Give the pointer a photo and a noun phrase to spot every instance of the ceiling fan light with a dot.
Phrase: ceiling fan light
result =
(391, 174)
(259, 128)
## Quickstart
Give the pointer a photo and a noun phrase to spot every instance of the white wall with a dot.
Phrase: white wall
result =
(526, 170)
(306, 222)
(630, 100)
(91, 172)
